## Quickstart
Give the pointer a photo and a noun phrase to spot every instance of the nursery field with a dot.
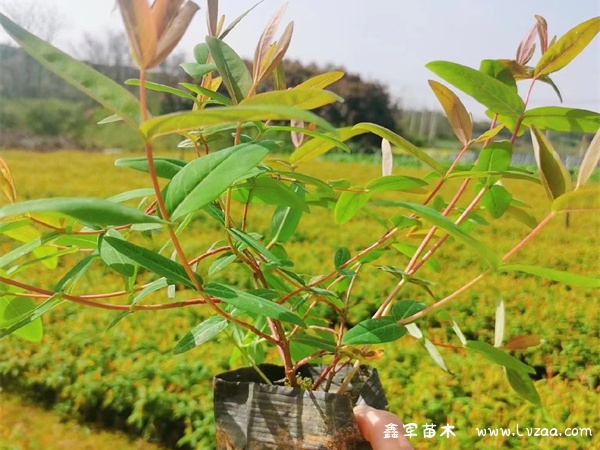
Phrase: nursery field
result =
(127, 378)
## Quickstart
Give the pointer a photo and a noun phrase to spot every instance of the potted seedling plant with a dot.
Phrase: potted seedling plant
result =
(237, 166)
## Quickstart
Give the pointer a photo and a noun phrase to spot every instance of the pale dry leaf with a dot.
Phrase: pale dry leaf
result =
(386, 158)
(297, 137)
(590, 160)
(7, 184)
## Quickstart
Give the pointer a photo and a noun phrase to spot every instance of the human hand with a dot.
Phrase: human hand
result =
(372, 424)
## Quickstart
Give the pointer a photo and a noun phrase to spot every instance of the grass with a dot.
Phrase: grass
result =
(129, 372)
(25, 426)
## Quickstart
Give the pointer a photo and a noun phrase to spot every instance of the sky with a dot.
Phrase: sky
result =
(388, 41)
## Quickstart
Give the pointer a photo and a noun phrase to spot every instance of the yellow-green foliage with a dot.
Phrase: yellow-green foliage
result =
(129, 374)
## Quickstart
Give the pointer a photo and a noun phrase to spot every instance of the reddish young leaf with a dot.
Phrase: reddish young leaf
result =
(523, 342)
(527, 46)
(457, 114)
(542, 29)
(555, 177)
(269, 65)
(265, 41)
(212, 16)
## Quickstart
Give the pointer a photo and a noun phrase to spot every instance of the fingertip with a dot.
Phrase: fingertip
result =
(364, 424)
(375, 426)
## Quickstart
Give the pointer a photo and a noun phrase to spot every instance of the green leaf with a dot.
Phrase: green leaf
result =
(110, 119)
(296, 98)
(403, 222)
(394, 183)
(221, 263)
(499, 71)
(489, 134)
(219, 98)
(546, 79)
(452, 229)
(488, 91)
(105, 91)
(409, 250)
(321, 81)
(21, 317)
(201, 53)
(349, 204)
(279, 82)
(456, 113)
(434, 354)
(254, 244)
(265, 189)
(165, 167)
(495, 156)
(493, 176)
(586, 198)
(563, 51)
(314, 342)
(523, 385)
(554, 174)
(522, 216)
(201, 333)
(341, 256)
(403, 309)
(158, 264)
(237, 20)
(25, 249)
(498, 356)
(156, 285)
(23, 232)
(113, 258)
(92, 211)
(403, 275)
(401, 143)
(315, 134)
(197, 71)
(205, 179)
(185, 121)
(73, 275)
(236, 76)
(252, 304)
(286, 219)
(130, 195)
(567, 278)
(317, 147)
(496, 200)
(374, 331)
(157, 87)
(558, 118)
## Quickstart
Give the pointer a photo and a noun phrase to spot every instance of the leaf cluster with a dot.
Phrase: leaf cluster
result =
(141, 234)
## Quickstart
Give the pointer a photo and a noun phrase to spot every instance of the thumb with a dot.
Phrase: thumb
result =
(377, 427)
